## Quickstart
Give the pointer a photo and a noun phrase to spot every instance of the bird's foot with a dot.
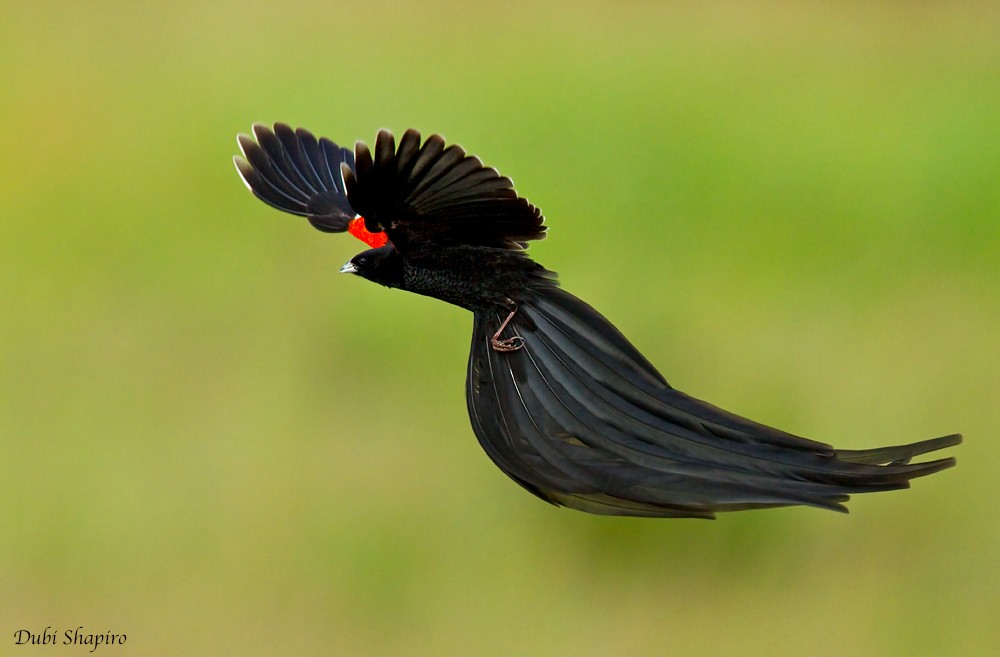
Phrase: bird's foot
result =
(506, 344)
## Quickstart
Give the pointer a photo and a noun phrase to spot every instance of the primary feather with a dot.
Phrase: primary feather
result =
(294, 172)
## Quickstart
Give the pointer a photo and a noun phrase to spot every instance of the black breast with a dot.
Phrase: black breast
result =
(476, 278)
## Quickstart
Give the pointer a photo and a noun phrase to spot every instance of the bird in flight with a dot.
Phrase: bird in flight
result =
(558, 397)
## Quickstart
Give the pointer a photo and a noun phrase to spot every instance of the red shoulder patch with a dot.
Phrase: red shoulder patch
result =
(357, 228)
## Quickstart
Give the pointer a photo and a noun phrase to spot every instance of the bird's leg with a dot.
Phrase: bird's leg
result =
(507, 344)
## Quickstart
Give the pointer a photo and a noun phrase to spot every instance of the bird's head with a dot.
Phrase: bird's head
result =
(382, 265)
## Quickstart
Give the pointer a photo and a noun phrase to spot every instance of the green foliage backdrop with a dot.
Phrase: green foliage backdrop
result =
(213, 443)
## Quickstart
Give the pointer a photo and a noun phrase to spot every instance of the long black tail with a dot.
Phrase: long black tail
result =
(294, 172)
(580, 418)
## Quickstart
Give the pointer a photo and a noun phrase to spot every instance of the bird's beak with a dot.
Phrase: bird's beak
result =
(349, 268)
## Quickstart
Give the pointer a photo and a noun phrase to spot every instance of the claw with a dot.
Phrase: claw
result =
(507, 344)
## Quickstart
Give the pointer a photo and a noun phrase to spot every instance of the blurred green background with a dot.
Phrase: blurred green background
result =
(213, 443)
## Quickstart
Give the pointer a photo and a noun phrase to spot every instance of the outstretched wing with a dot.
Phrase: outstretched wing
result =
(435, 194)
(293, 171)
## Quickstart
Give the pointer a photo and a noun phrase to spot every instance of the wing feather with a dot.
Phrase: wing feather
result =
(434, 196)
(294, 172)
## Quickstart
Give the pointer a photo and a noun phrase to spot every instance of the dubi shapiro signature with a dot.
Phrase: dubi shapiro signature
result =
(77, 637)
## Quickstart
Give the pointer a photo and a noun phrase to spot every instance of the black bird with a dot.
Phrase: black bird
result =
(558, 398)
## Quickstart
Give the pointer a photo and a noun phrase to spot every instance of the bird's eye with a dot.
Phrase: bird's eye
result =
(362, 261)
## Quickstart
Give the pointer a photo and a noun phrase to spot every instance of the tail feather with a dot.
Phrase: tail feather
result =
(580, 418)
(898, 454)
